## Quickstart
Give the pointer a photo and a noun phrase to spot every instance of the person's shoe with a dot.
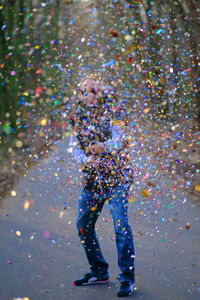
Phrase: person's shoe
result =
(88, 279)
(125, 289)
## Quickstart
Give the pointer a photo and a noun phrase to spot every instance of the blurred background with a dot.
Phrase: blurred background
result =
(148, 52)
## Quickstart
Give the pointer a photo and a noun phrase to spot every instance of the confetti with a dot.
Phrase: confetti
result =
(131, 200)
(145, 193)
(187, 226)
(20, 298)
(9, 261)
(27, 204)
(13, 193)
(151, 183)
(147, 110)
(113, 32)
(19, 144)
(43, 122)
(47, 234)
(93, 208)
(197, 188)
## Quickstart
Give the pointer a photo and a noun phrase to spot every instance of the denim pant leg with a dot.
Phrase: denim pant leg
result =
(89, 208)
(118, 204)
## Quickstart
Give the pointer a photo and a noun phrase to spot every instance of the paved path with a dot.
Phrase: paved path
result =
(42, 262)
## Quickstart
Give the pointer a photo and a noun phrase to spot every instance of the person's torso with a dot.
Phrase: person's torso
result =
(95, 124)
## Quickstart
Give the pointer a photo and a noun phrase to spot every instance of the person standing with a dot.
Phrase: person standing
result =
(99, 145)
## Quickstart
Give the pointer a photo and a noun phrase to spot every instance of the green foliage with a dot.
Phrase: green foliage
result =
(23, 63)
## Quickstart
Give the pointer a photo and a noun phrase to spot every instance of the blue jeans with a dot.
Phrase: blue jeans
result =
(89, 208)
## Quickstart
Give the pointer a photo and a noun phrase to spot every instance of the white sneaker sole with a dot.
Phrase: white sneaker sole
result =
(94, 282)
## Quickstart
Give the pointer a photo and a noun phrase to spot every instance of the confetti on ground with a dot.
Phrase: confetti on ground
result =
(47, 234)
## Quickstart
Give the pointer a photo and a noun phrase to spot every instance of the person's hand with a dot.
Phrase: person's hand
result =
(92, 162)
(97, 147)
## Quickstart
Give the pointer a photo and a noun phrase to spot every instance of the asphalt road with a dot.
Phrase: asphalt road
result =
(40, 252)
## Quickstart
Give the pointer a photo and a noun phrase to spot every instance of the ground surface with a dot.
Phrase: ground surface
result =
(41, 253)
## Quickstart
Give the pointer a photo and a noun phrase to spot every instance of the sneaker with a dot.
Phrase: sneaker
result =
(88, 279)
(125, 289)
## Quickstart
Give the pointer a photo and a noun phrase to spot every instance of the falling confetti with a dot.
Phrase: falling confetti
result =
(27, 204)
(197, 188)
(93, 208)
(13, 193)
(19, 144)
(145, 193)
(113, 32)
(131, 200)
(43, 122)
(187, 226)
